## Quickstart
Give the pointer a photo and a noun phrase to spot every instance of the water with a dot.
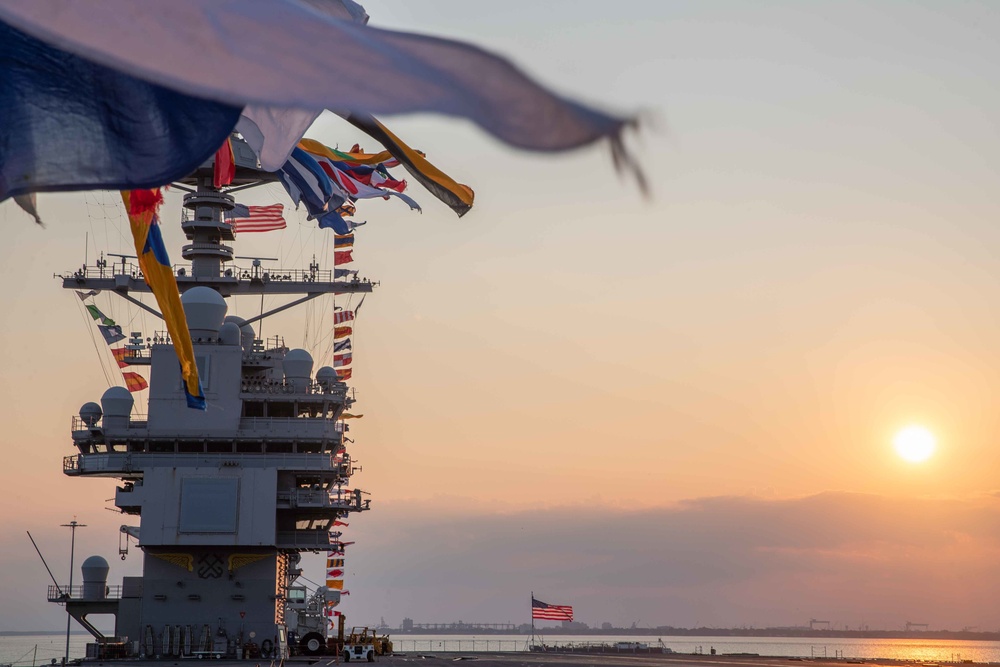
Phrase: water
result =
(915, 650)
(18, 649)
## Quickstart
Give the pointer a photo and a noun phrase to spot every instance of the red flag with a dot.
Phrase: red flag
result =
(120, 353)
(225, 165)
(134, 381)
(345, 592)
(343, 374)
(341, 360)
(341, 523)
(341, 316)
(342, 257)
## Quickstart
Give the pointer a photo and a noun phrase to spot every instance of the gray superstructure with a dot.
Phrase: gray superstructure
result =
(221, 502)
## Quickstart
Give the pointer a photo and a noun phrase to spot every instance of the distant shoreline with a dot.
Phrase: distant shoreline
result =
(790, 633)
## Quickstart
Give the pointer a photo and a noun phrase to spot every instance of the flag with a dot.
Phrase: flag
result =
(334, 220)
(119, 354)
(342, 257)
(336, 552)
(341, 316)
(256, 218)
(344, 273)
(224, 168)
(96, 313)
(345, 592)
(342, 346)
(341, 360)
(166, 41)
(343, 240)
(457, 196)
(343, 374)
(335, 584)
(341, 332)
(550, 612)
(335, 562)
(134, 381)
(348, 415)
(356, 189)
(334, 574)
(341, 523)
(29, 204)
(272, 132)
(155, 265)
(86, 295)
(112, 333)
(306, 181)
(70, 123)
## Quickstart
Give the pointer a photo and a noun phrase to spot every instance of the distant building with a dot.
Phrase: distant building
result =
(575, 625)
(407, 625)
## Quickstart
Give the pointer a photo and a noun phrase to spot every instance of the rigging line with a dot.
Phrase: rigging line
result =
(93, 340)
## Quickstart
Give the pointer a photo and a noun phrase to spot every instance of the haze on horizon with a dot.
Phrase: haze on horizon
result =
(678, 411)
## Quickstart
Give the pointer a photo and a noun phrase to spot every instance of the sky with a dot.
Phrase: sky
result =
(667, 410)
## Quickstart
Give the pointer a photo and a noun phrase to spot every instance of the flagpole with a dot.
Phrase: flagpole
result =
(532, 618)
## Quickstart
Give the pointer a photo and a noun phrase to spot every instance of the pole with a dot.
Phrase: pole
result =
(532, 618)
(72, 525)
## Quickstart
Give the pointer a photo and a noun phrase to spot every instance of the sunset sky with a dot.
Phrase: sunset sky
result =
(678, 410)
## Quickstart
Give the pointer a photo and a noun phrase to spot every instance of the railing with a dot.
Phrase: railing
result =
(303, 498)
(130, 461)
(239, 273)
(457, 645)
(304, 539)
(60, 593)
(282, 387)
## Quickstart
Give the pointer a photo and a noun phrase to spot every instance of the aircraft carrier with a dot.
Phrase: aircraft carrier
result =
(222, 502)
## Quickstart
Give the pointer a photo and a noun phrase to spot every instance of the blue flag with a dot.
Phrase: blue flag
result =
(342, 346)
(112, 334)
(69, 124)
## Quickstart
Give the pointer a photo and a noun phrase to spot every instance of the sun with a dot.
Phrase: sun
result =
(914, 443)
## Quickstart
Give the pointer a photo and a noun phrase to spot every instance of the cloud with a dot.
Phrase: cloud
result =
(713, 561)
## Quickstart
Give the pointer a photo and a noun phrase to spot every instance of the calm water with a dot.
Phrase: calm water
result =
(931, 650)
(19, 649)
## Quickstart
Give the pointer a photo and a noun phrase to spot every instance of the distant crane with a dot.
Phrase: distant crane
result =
(813, 622)
(910, 626)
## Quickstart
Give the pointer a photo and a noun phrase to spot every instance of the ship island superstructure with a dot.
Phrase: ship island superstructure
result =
(222, 502)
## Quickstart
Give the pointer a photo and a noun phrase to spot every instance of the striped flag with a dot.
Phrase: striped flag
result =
(341, 316)
(246, 219)
(119, 353)
(550, 612)
(134, 381)
(342, 346)
(341, 332)
(343, 240)
(335, 562)
(341, 360)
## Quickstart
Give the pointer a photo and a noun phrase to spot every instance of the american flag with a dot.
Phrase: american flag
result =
(257, 218)
(550, 612)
